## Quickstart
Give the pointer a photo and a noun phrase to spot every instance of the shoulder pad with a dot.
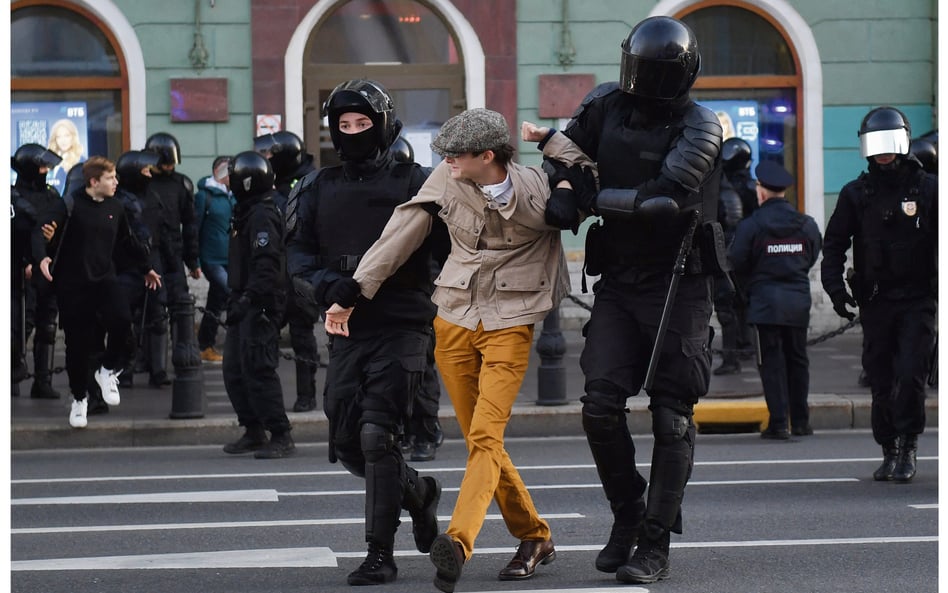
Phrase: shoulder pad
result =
(606, 88)
(293, 200)
(188, 184)
(702, 118)
(304, 183)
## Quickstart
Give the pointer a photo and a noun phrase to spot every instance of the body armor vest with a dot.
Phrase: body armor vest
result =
(896, 238)
(632, 150)
(341, 244)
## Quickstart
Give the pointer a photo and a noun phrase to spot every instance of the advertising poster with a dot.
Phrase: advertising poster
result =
(739, 119)
(60, 126)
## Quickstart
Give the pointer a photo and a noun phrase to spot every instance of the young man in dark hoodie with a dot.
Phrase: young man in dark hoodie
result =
(91, 231)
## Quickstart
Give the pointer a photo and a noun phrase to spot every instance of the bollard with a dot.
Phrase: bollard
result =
(187, 391)
(551, 346)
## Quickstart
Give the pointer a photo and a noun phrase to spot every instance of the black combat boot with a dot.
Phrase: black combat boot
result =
(253, 439)
(305, 387)
(43, 381)
(905, 467)
(890, 457)
(421, 501)
(378, 567)
(280, 445)
(649, 563)
(614, 453)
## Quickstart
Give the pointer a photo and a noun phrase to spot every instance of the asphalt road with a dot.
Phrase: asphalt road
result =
(759, 516)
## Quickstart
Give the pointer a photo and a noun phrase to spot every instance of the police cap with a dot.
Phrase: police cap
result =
(474, 131)
(773, 176)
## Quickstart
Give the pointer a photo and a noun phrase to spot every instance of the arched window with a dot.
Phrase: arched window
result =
(403, 44)
(69, 83)
(750, 76)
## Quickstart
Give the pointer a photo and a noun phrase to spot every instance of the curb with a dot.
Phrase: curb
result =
(733, 414)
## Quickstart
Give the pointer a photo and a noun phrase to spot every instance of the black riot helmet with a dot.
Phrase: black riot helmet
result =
(402, 151)
(284, 149)
(372, 100)
(250, 175)
(660, 59)
(166, 146)
(884, 130)
(129, 167)
(29, 158)
(736, 154)
(926, 153)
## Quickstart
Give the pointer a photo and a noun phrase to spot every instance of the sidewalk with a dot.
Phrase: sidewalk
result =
(734, 403)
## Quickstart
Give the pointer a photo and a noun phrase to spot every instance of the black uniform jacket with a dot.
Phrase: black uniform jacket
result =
(775, 247)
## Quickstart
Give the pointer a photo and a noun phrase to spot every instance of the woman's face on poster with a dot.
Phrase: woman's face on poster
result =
(63, 139)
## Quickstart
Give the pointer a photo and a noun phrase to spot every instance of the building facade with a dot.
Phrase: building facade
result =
(793, 77)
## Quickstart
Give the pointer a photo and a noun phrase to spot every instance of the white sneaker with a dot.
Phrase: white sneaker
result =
(77, 415)
(108, 383)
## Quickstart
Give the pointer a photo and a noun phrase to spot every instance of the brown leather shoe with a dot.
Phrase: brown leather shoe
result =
(524, 562)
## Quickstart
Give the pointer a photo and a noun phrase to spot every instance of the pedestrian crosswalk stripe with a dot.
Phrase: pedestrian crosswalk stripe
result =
(260, 558)
(156, 497)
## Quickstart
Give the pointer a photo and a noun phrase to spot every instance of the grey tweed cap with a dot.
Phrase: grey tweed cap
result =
(474, 130)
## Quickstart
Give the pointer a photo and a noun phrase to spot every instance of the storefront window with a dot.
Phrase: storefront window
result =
(750, 78)
(69, 85)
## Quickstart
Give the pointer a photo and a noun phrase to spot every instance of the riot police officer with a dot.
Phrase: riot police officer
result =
(375, 371)
(775, 247)
(657, 152)
(736, 156)
(256, 275)
(34, 301)
(726, 303)
(176, 194)
(134, 172)
(890, 217)
(291, 162)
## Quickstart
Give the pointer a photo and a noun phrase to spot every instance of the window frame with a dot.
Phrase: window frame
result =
(768, 81)
(80, 83)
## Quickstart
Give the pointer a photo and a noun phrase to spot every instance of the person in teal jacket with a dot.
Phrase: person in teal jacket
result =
(213, 206)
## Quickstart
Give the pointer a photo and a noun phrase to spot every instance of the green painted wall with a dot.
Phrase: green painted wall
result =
(165, 31)
(873, 52)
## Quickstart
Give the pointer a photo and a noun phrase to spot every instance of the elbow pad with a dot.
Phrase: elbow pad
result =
(616, 203)
(693, 158)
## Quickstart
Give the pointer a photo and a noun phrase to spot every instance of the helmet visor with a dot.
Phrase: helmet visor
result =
(657, 79)
(884, 142)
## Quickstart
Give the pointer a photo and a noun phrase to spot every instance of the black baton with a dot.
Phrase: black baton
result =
(677, 273)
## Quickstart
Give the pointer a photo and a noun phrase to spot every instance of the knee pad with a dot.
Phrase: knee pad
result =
(669, 426)
(598, 421)
(46, 333)
(377, 441)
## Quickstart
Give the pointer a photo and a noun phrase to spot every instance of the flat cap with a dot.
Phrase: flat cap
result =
(773, 176)
(474, 130)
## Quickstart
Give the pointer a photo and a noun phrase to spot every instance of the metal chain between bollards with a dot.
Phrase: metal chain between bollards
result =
(811, 342)
(284, 356)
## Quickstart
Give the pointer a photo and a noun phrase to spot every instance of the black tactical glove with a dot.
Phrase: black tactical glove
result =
(840, 300)
(562, 210)
(237, 309)
(580, 178)
(344, 292)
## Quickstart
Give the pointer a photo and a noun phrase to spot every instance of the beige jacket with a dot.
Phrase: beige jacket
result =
(506, 267)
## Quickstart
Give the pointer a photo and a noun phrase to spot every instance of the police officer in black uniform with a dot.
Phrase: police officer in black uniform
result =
(423, 433)
(176, 193)
(890, 217)
(291, 162)
(730, 212)
(374, 372)
(256, 275)
(134, 172)
(34, 300)
(775, 248)
(651, 142)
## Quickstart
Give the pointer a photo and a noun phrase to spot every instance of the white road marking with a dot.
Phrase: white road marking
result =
(156, 497)
(924, 506)
(243, 524)
(433, 470)
(326, 558)
(265, 558)
(845, 356)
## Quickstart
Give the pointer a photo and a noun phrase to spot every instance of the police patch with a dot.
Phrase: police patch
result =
(910, 208)
(263, 239)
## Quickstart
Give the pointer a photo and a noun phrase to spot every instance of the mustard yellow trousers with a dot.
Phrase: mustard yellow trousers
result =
(483, 371)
